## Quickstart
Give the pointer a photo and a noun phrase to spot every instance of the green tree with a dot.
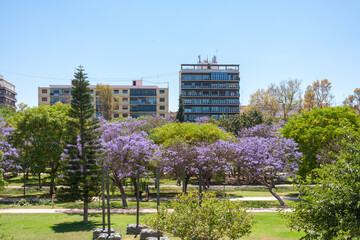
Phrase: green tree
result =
(189, 133)
(39, 134)
(239, 121)
(180, 114)
(319, 132)
(330, 210)
(81, 173)
(208, 218)
(6, 111)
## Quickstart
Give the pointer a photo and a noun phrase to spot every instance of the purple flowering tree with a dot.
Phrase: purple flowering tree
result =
(9, 153)
(126, 149)
(264, 156)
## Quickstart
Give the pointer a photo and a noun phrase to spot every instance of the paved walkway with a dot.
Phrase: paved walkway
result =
(121, 211)
(131, 199)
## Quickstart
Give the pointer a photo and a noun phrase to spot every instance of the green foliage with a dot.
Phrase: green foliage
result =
(81, 172)
(319, 132)
(180, 114)
(239, 121)
(3, 183)
(190, 133)
(39, 135)
(331, 209)
(212, 219)
(6, 111)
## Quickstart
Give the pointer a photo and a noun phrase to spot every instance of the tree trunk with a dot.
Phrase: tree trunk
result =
(276, 196)
(52, 184)
(187, 178)
(122, 191)
(86, 207)
(40, 186)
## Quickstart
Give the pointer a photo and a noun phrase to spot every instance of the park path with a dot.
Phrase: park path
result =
(132, 199)
(120, 211)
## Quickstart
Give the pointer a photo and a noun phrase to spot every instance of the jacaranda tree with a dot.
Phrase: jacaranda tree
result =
(82, 171)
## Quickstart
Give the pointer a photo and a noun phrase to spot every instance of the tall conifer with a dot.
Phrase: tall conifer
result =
(180, 114)
(81, 174)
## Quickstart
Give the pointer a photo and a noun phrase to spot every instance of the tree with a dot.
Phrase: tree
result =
(318, 95)
(210, 219)
(265, 101)
(39, 134)
(6, 111)
(353, 100)
(9, 153)
(104, 100)
(237, 122)
(266, 160)
(82, 157)
(185, 145)
(318, 130)
(330, 210)
(125, 153)
(288, 96)
(180, 114)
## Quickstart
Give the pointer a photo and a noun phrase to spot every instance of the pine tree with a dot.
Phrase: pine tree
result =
(81, 171)
(180, 114)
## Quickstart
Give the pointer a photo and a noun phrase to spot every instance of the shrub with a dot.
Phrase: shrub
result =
(209, 219)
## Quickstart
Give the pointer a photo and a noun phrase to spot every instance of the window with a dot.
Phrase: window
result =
(142, 92)
(125, 107)
(125, 91)
(162, 99)
(44, 91)
(162, 91)
(134, 83)
(116, 115)
(44, 99)
(116, 91)
(162, 115)
(116, 107)
(91, 92)
(162, 107)
(125, 99)
(125, 115)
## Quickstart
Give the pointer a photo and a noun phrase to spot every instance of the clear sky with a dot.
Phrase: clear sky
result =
(42, 42)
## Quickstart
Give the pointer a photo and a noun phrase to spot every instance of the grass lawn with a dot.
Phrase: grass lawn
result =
(70, 226)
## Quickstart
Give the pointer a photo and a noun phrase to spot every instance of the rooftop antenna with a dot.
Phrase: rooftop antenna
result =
(199, 58)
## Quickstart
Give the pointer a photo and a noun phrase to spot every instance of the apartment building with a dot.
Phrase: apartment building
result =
(210, 89)
(132, 100)
(7, 93)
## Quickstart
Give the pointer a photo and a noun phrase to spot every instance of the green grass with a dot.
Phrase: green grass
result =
(70, 226)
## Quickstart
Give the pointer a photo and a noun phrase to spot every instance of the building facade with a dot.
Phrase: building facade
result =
(134, 101)
(210, 89)
(7, 93)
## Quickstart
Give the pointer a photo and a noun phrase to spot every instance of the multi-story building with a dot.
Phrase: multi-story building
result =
(135, 100)
(210, 89)
(7, 93)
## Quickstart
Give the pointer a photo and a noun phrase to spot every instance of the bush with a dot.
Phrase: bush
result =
(212, 219)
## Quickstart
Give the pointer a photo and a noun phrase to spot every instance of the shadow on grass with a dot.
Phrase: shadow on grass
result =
(77, 226)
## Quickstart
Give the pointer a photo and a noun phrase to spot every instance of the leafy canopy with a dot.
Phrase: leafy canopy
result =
(330, 210)
(317, 130)
(190, 133)
(212, 219)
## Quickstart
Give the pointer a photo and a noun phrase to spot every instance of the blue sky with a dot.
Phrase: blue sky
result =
(42, 42)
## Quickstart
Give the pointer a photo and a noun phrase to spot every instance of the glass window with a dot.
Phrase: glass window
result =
(162, 107)
(125, 107)
(162, 99)
(116, 115)
(125, 99)
(162, 91)
(142, 92)
(116, 91)
(125, 115)
(125, 91)
(91, 91)
(44, 91)
(162, 115)
(44, 99)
